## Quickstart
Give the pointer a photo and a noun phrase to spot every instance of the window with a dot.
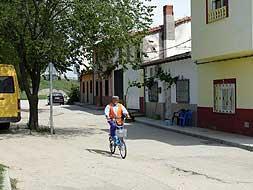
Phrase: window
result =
(7, 84)
(91, 86)
(183, 91)
(153, 93)
(151, 73)
(224, 96)
(96, 88)
(106, 88)
(83, 87)
(216, 4)
(216, 10)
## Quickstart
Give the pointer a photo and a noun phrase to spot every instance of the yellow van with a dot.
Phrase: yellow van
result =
(9, 96)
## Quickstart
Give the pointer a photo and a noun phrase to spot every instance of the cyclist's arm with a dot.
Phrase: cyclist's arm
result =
(125, 112)
(107, 112)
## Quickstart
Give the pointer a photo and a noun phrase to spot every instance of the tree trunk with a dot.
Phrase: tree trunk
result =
(34, 114)
(27, 72)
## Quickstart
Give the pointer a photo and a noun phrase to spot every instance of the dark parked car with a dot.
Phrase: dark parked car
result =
(57, 98)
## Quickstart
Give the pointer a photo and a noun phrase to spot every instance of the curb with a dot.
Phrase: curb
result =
(221, 141)
(6, 180)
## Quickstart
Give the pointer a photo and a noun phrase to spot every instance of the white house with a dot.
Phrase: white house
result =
(168, 48)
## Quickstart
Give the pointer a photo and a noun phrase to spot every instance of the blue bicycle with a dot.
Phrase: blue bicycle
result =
(119, 141)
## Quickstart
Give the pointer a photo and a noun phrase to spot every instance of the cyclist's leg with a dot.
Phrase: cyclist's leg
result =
(113, 128)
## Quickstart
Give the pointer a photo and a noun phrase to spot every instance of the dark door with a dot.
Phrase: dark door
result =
(118, 83)
(87, 92)
(101, 93)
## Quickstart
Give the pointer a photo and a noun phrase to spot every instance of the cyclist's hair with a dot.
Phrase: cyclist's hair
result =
(115, 97)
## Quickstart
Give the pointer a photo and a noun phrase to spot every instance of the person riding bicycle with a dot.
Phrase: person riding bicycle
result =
(115, 114)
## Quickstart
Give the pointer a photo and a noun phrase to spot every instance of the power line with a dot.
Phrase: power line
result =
(171, 47)
(162, 50)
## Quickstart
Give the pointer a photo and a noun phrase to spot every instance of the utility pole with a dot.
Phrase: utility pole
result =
(51, 98)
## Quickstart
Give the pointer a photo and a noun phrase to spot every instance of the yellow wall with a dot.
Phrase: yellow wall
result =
(241, 69)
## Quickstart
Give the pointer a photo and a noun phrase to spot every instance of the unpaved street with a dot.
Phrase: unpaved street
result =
(77, 157)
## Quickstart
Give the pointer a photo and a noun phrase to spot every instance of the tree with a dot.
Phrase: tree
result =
(37, 32)
(148, 82)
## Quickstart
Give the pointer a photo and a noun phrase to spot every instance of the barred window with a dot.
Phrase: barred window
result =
(224, 96)
(183, 91)
(153, 93)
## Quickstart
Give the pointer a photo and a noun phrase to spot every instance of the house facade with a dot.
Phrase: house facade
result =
(86, 88)
(222, 40)
(168, 48)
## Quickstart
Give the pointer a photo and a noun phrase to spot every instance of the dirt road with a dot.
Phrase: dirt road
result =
(77, 157)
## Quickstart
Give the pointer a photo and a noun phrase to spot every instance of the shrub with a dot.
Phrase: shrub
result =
(74, 95)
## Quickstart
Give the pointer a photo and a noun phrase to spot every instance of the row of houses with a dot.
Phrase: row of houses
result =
(211, 54)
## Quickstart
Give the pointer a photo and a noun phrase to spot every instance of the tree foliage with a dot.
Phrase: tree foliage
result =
(36, 32)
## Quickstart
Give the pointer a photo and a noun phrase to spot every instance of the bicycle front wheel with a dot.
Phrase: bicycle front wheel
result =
(112, 145)
(123, 149)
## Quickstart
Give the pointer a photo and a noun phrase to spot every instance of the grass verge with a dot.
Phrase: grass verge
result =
(64, 85)
(24, 97)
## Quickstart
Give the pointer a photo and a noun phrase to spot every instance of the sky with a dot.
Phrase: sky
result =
(182, 8)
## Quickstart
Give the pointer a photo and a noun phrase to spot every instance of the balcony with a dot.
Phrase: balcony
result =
(217, 14)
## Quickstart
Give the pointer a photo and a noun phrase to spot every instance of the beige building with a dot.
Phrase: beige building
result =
(222, 46)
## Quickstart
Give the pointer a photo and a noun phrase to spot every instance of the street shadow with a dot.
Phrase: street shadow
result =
(136, 131)
(39, 110)
(88, 110)
(103, 153)
(21, 131)
(14, 132)
(76, 132)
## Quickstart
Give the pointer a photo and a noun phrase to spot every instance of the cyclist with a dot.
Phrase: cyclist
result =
(115, 114)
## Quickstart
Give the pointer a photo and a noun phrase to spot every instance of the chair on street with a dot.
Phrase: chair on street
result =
(185, 118)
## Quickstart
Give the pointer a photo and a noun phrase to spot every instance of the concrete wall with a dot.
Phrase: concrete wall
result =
(228, 36)
(185, 69)
(153, 109)
(134, 94)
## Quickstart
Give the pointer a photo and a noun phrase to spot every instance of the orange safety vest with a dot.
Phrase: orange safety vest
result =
(118, 116)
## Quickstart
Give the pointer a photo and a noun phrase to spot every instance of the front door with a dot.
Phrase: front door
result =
(87, 91)
(118, 83)
(101, 93)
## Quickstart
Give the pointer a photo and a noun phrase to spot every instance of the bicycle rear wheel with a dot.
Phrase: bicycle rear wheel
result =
(123, 149)
(112, 145)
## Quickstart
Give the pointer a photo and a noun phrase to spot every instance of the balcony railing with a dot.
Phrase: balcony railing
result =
(217, 14)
